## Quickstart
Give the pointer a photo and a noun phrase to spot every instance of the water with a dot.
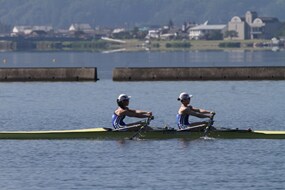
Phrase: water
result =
(142, 164)
(106, 62)
(32, 106)
(173, 164)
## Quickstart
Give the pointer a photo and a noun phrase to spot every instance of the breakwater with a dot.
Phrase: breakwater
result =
(198, 73)
(48, 74)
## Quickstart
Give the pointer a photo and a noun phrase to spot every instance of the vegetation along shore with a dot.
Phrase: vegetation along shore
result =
(136, 45)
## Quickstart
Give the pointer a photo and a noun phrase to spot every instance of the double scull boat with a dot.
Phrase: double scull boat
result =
(154, 133)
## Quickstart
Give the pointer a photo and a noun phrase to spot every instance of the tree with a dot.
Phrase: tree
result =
(281, 31)
(231, 34)
(214, 35)
(4, 28)
(170, 24)
(135, 32)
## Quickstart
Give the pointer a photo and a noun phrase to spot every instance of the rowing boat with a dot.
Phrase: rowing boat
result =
(155, 133)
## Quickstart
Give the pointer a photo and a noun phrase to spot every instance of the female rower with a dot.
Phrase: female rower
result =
(186, 110)
(122, 111)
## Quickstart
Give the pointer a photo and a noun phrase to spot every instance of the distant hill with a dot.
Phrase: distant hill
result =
(127, 13)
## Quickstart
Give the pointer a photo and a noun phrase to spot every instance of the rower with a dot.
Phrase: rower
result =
(186, 110)
(123, 110)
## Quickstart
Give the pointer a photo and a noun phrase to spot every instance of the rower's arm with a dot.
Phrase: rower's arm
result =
(210, 114)
(198, 114)
(201, 110)
(138, 113)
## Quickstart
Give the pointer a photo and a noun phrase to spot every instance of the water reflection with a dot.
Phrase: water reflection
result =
(121, 142)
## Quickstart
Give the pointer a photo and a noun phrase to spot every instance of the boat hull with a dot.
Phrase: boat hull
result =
(105, 133)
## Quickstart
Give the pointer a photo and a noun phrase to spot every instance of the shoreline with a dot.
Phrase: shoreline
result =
(138, 45)
(159, 45)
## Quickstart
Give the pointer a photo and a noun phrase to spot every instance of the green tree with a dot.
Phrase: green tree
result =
(135, 31)
(214, 35)
(170, 23)
(230, 34)
(281, 31)
(4, 28)
(122, 35)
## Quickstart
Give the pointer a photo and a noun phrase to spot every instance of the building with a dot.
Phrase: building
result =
(153, 34)
(86, 28)
(28, 30)
(253, 27)
(21, 30)
(202, 31)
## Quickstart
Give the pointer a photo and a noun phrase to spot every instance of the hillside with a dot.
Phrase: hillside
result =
(127, 13)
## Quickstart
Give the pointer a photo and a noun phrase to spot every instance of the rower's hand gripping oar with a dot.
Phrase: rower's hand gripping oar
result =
(145, 124)
(209, 125)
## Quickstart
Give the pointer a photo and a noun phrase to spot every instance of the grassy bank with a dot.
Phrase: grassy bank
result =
(133, 45)
(168, 45)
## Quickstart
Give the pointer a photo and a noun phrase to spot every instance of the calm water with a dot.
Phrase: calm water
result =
(106, 62)
(165, 164)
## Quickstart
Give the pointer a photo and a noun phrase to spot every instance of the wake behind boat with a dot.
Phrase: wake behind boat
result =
(148, 133)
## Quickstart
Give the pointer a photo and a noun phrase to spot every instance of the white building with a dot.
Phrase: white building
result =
(200, 31)
(118, 30)
(21, 30)
(153, 34)
(27, 30)
(43, 28)
(80, 27)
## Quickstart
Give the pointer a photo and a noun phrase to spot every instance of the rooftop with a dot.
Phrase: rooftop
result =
(209, 27)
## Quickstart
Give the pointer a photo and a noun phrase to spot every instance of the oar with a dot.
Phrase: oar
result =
(142, 127)
(209, 125)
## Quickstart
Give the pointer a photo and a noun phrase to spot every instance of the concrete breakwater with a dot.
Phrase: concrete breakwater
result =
(198, 73)
(48, 74)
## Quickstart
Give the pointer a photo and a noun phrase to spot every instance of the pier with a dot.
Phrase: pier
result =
(48, 74)
(197, 73)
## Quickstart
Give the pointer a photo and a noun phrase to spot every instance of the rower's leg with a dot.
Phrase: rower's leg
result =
(201, 123)
(197, 127)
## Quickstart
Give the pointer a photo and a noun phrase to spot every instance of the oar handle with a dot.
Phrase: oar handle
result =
(149, 119)
(212, 116)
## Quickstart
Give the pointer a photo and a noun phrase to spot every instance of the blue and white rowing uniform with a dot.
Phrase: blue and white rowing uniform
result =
(118, 121)
(182, 121)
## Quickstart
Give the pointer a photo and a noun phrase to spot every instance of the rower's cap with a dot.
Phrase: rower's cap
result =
(123, 97)
(184, 96)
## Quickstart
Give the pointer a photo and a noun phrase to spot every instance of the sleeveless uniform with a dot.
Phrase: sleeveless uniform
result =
(182, 120)
(117, 121)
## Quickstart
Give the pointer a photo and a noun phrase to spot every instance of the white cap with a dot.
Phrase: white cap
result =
(184, 96)
(123, 97)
